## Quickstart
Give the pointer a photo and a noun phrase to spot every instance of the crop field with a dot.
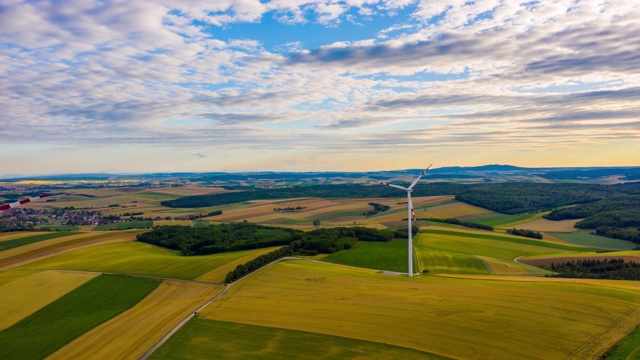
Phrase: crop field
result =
(210, 339)
(452, 317)
(545, 225)
(17, 234)
(390, 255)
(454, 209)
(131, 334)
(443, 262)
(173, 222)
(124, 225)
(58, 323)
(42, 249)
(17, 242)
(140, 259)
(503, 220)
(23, 296)
(586, 239)
(447, 250)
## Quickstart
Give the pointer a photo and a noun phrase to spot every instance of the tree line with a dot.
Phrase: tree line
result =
(616, 269)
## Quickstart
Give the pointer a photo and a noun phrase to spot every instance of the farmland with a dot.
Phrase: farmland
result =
(458, 318)
(53, 326)
(472, 298)
(140, 259)
(193, 342)
(131, 334)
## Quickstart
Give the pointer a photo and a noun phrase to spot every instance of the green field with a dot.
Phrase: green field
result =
(448, 251)
(627, 349)
(138, 258)
(124, 225)
(448, 262)
(504, 219)
(14, 243)
(55, 325)
(210, 339)
(595, 241)
(390, 255)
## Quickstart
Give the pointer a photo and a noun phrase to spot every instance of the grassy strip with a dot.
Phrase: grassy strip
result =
(390, 255)
(77, 312)
(212, 339)
(10, 244)
(517, 240)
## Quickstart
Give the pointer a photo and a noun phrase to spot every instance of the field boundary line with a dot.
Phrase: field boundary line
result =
(224, 291)
(136, 275)
(182, 323)
(597, 336)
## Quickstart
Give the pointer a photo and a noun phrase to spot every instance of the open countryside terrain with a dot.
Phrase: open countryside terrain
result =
(476, 290)
(457, 318)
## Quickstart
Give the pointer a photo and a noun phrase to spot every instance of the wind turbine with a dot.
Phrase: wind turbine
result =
(18, 203)
(410, 213)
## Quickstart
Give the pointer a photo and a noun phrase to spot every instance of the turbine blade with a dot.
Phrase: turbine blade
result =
(18, 203)
(418, 178)
(392, 185)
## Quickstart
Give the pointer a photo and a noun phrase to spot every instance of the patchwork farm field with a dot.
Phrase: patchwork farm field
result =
(131, 334)
(446, 250)
(58, 323)
(24, 295)
(60, 243)
(451, 317)
(143, 259)
(586, 239)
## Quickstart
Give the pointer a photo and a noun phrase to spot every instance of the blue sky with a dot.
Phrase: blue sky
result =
(313, 85)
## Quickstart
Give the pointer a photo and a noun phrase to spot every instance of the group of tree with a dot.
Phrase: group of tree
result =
(218, 238)
(526, 233)
(616, 269)
(243, 236)
(377, 208)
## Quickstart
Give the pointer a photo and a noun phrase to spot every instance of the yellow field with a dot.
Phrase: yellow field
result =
(545, 225)
(458, 318)
(22, 297)
(134, 332)
(453, 209)
(36, 251)
(173, 222)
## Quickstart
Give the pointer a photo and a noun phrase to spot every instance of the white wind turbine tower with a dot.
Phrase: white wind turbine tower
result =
(410, 213)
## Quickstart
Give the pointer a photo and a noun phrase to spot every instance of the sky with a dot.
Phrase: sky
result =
(316, 85)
